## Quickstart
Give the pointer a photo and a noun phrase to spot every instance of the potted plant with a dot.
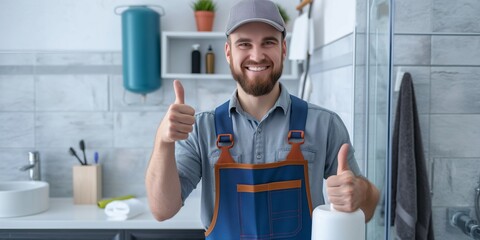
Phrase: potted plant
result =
(283, 13)
(204, 14)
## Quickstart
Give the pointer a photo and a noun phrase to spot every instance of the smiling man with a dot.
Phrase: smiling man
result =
(256, 51)
(263, 155)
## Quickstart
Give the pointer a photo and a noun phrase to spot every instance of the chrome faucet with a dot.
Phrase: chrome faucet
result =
(33, 166)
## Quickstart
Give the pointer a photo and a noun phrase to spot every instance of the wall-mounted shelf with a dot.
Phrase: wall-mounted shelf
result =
(177, 49)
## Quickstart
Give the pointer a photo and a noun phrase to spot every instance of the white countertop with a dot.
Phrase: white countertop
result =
(63, 214)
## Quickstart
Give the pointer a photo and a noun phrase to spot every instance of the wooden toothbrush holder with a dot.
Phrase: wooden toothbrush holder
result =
(87, 184)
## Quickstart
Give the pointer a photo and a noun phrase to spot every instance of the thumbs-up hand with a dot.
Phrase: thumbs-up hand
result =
(179, 119)
(345, 191)
(179, 92)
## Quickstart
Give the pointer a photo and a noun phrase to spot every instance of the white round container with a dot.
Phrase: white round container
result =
(330, 224)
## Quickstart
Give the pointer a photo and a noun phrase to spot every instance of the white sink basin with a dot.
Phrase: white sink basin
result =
(22, 198)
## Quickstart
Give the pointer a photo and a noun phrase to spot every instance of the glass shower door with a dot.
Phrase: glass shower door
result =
(372, 103)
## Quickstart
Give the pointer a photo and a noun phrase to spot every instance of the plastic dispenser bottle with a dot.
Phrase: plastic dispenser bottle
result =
(210, 60)
(196, 58)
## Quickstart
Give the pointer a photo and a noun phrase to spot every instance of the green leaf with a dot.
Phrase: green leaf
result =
(204, 5)
(283, 13)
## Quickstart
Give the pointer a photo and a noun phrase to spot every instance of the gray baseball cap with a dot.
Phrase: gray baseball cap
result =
(247, 11)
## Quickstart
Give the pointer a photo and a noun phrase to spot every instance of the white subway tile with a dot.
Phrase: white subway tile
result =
(72, 93)
(65, 129)
(17, 129)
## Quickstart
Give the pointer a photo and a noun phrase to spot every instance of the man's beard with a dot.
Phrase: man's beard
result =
(258, 86)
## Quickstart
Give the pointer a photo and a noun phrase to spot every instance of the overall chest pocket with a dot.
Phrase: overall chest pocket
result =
(308, 155)
(270, 210)
(215, 155)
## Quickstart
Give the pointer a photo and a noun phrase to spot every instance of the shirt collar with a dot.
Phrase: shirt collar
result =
(283, 101)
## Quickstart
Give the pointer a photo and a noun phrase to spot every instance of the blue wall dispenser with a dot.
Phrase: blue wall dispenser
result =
(140, 48)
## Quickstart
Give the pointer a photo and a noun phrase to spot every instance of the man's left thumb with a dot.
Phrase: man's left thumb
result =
(342, 159)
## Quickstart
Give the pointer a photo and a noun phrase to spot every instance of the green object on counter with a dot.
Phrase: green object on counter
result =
(103, 203)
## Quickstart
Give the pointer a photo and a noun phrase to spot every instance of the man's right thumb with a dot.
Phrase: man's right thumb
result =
(179, 92)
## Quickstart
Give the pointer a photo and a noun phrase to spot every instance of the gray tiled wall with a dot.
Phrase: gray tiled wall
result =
(455, 50)
(455, 90)
(331, 73)
(412, 50)
(455, 16)
(437, 44)
(413, 16)
(49, 101)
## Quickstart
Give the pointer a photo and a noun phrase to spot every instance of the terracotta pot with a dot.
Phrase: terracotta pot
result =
(204, 20)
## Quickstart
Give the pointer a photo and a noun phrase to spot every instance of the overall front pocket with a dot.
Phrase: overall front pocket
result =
(270, 209)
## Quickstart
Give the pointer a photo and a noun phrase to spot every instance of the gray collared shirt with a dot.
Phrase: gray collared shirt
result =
(262, 141)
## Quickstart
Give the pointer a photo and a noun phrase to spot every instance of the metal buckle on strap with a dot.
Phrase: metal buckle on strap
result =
(224, 139)
(298, 135)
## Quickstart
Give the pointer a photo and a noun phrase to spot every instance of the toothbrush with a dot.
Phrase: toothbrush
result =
(95, 157)
(82, 147)
(73, 153)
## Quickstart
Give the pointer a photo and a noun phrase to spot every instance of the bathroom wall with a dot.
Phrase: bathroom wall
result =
(331, 64)
(437, 42)
(331, 73)
(61, 81)
(331, 67)
(92, 24)
(49, 101)
(334, 19)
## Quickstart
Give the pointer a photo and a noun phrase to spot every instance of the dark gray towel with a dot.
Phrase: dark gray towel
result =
(411, 201)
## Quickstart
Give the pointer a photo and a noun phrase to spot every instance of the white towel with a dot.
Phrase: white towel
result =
(121, 210)
(299, 45)
(302, 44)
(303, 38)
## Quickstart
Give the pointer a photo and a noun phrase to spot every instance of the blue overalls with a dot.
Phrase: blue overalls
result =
(261, 201)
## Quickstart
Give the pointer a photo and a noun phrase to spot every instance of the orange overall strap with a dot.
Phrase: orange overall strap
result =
(225, 156)
(295, 153)
(296, 135)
